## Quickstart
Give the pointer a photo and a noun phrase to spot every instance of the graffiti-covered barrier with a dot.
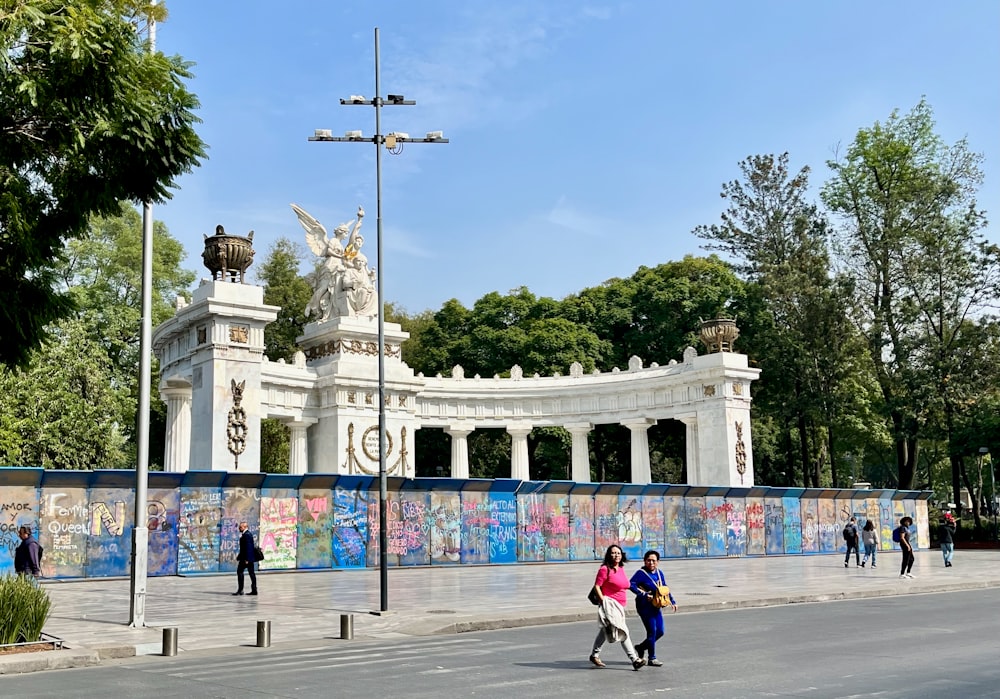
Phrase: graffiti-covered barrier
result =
(84, 520)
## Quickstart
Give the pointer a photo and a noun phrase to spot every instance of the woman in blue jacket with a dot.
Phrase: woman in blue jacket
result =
(644, 584)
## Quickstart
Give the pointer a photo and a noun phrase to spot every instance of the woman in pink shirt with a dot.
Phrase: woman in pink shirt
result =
(611, 585)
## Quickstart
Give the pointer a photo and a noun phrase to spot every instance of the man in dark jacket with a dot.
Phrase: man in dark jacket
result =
(851, 537)
(247, 559)
(946, 536)
(28, 554)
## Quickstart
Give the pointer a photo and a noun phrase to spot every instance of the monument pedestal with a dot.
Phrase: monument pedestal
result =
(344, 354)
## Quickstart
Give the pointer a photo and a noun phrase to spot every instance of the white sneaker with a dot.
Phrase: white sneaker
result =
(902, 575)
(909, 575)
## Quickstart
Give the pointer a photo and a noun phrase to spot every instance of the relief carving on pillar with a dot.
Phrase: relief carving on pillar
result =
(239, 334)
(236, 425)
(709, 391)
(353, 464)
(737, 388)
(741, 452)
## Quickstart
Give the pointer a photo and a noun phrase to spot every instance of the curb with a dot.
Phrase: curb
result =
(48, 660)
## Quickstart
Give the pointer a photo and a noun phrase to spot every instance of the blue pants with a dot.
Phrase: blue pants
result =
(947, 550)
(870, 551)
(654, 631)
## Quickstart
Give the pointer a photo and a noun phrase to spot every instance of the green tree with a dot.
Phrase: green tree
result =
(286, 288)
(63, 408)
(910, 241)
(88, 118)
(798, 329)
(102, 274)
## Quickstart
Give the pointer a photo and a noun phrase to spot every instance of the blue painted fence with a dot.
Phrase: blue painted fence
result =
(85, 520)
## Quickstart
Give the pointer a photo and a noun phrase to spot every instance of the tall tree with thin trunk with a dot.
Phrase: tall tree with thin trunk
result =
(910, 240)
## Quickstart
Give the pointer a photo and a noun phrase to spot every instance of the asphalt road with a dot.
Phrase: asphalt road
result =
(914, 646)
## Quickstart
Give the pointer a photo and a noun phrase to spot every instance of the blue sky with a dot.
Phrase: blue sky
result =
(587, 138)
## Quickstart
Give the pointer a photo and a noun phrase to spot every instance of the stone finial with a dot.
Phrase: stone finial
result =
(180, 303)
(672, 362)
(299, 359)
(516, 372)
(634, 363)
(576, 370)
(719, 334)
(226, 256)
(690, 354)
(457, 372)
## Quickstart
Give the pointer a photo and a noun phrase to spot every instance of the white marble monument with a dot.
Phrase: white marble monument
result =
(218, 386)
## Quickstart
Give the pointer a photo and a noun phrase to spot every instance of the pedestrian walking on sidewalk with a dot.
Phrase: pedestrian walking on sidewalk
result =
(946, 536)
(611, 585)
(247, 560)
(869, 539)
(904, 545)
(851, 537)
(28, 554)
(648, 584)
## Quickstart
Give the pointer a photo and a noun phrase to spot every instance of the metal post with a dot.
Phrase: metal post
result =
(170, 641)
(379, 140)
(383, 495)
(263, 634)
(140, 533)
(347, 627)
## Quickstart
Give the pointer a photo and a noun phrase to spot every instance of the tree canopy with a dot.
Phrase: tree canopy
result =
(88, 118)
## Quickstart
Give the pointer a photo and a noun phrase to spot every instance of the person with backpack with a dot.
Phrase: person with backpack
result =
(651, 595)
(901, 535)
(869, 537)
(851, 537)
(28, 554)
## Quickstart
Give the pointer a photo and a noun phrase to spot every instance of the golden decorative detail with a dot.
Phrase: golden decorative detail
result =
(236, 426)
(354, 465)
(368, 448)
(737, 388)
(368, 399)
(239, 334)
(741, 452)
(709, 391)
(400, 466)
(352, 397)
(202, 335)
(365, 348)
(402, 403)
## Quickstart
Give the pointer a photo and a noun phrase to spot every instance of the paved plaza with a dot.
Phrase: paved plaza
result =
(91, 616)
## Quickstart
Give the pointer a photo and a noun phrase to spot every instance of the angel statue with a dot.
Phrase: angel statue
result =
(342, 289)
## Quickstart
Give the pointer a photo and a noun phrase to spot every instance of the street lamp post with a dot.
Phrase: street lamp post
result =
(393, 143)
(138, 571)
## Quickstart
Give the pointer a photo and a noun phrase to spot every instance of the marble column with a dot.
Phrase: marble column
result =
(519, 451)
(580, 461)
(459, 450)
(640, 449)
(177, 452)
(691, 449)
(298, 448)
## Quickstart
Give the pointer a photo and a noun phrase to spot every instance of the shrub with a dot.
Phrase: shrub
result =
(24, 609)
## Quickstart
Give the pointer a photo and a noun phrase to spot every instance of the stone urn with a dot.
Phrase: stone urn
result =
(228, 256)
(719, 334)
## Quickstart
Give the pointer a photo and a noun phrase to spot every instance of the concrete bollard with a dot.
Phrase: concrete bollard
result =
(347, 627)
(263, 634)
(170, 641)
